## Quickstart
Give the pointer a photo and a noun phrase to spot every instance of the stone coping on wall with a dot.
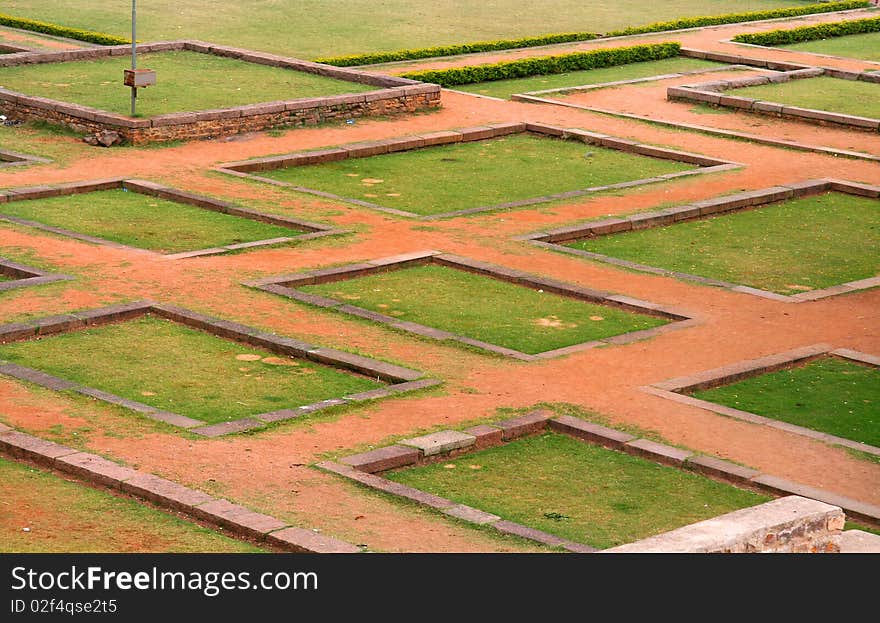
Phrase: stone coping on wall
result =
(247, 168)
(286, 285)
(554, 239)
(714, 94)
(392, 94)
(218, 512)
(15, 159)
(313, 230)
(678, 389)
(23, 276)
(365, 467)
(399, 379)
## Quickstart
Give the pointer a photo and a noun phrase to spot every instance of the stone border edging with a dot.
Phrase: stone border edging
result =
(677, 389)
(285, 285)
(167, 494)
(393, 95)
(313, 230)
(23, 276)
(552, 239)
(401, 380)
(15, 159)
(246, 168)
(363, 468)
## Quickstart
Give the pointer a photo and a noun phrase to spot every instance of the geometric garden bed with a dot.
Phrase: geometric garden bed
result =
(446, 297)
(765, 239)
(137, 214)
(473, 170)
(830, 395)
(210, 376)
(14, 275)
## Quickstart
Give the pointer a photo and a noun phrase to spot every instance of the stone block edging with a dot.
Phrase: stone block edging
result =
(399, 379)
(364, 468)
(393, 95)
(15, 159)
(754, 199)
(312, 230)
(23, 276)
(286, 285)
(167, 494)
(251, 168)
(678, 389)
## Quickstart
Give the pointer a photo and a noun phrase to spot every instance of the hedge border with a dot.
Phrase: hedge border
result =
(521, 68)
(101, 38)
(810, 33)
(510, 44)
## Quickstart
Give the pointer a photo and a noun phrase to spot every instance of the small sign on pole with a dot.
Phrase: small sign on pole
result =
(136, 78)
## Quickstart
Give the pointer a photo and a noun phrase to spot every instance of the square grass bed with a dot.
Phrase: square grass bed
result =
(804, 242)
(865, 46)
(14, 275)
(143, 215)
(186, 81)
(210, 376)
(473, 170)
(446, 297)
(836, 95)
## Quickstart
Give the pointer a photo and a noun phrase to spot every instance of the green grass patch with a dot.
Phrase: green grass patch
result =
(768, 247)
(865, 46)
(67, 517)
(435, 180)
(175, 368)
(850, 97)
(577, 491)
(144, 221)
(830, 395)
(505, 88)
(484, 308)
(185, 81)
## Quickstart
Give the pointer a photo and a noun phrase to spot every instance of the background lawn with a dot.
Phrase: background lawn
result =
(484, 308)
(768, 247)
(578, 491)
(865, 46)
(506, 88)
(435, 180)
(185, 81)
(831, 395)
(67, 517)
(172, 367)
(144, 221)
(312, 28)
(850, 97)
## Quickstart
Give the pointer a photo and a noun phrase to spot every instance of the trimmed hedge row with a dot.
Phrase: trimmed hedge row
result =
(452, 50)
(811, 33)
(528, 42)
(734, 18)
(544, 65)
(62, 31)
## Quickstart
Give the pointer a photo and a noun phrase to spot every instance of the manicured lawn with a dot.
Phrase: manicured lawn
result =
(829, 395)
(453, 177)
(185, 81)
(506, 88)
(578, 491)
(172, 367)
(865, 46)
(787, 247)
(311, 28)
(144, 221)
(67, 517)
(850, 97)
(483, 308)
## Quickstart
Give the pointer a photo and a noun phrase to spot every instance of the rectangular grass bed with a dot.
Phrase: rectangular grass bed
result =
(787, 247)
(179, 369)
(850, 97)
(479, 174)
(864, 46)
(485, 309)
(186, 81)
(830, 395)
(506, 88)
(580, 492)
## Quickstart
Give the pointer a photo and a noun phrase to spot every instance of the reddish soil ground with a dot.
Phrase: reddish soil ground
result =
(270, 470)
